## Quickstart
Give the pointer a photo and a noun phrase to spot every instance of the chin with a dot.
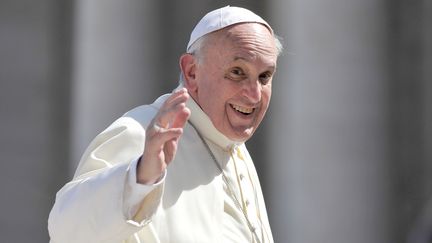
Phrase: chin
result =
(242, 136)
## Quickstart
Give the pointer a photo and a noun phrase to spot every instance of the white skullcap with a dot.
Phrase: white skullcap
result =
(221, 18)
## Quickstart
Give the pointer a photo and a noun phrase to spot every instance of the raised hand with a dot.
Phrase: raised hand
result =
(162, 136)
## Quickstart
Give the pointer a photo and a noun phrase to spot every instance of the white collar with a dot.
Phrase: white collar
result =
(206, 128)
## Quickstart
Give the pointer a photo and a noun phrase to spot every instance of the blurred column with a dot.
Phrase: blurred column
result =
(34, 88)
(427, 79)
(329, 170)
(115, 43)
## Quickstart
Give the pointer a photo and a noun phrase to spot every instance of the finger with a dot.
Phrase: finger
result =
(167, 116)
(156, 140)
(178, 96)
(175, 98)
(170, 150)
(181, 118)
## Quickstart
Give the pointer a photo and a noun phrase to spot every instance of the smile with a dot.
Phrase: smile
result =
(243, 110)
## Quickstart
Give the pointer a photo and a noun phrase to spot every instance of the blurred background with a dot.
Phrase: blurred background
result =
(344, 154)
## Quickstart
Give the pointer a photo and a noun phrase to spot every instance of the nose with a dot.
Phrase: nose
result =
(252, 91)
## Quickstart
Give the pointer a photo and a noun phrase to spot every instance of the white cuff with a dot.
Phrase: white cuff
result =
(135, 192)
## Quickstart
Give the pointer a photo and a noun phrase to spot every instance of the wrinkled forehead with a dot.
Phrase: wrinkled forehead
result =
(246, 30)
(253, 36)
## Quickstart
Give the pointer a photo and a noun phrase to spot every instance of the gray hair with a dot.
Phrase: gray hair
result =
(196, 49)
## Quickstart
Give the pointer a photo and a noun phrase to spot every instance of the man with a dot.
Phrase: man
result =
(178, 170)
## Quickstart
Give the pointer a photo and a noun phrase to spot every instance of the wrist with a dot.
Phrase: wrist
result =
(144, 175)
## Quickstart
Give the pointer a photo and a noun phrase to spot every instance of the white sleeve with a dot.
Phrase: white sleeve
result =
(135, 192)
(91, 208)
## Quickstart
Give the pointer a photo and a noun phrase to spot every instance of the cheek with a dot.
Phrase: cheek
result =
(215, 102)
(266, 95)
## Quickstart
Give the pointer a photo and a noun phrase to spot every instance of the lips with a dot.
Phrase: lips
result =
(243, 110)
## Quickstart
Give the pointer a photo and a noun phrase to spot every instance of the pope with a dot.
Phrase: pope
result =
(177, 170)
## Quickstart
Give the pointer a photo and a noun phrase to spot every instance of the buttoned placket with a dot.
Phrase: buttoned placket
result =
(247, 191)
(231, 185)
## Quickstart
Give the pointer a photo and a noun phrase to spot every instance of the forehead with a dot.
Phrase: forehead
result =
(245, 41)
(246, 31)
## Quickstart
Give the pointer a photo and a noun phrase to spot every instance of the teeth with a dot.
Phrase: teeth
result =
(242, 109)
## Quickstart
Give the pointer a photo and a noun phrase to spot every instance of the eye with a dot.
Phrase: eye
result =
(237, 71)
(265, 77)
(236, 74)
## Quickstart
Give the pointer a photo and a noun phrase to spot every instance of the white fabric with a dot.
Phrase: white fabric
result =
(188, 205)
(135, 192)
(234, 168)
(221, 18)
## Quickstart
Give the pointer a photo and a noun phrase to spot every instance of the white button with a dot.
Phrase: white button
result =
(247, 202)
(241, 177)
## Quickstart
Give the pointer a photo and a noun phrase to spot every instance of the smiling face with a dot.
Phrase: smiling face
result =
(232, 80)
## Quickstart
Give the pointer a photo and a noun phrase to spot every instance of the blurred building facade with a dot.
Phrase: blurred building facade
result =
(344, 155)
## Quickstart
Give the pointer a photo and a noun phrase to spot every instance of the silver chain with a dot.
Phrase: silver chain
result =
(228, 184)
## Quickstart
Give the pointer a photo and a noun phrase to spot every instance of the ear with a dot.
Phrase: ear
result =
(188, 66)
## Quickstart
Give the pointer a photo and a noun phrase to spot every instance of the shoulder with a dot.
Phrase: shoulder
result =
(145, 113)
(141, 115)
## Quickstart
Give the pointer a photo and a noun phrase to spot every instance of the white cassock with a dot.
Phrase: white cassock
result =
(209, 193)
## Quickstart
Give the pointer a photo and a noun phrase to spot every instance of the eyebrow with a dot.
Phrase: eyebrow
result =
(237, 58)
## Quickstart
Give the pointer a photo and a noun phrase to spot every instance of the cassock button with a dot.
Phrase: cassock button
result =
(247, 202)
(241, 177)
